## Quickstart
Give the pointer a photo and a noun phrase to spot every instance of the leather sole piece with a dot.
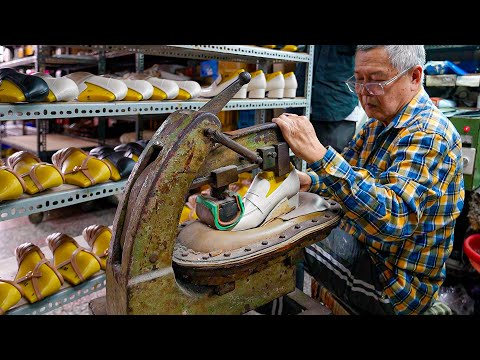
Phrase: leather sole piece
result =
(249, 249)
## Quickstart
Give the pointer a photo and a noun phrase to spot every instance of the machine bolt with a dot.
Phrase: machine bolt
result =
(153, 257)
(264, 242)
(227, 254)
(297, 226)
(282, 236)
(248, 249)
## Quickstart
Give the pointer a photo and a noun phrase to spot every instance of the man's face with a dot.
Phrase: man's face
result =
(374, 66)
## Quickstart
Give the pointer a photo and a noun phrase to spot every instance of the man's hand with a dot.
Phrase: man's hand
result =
(300, 136)
(305, 181)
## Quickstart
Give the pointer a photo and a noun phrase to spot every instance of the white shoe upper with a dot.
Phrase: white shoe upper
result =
(258, 205)
(63, 88)
(141, 86)
(258, 81)
(277, 82)
(169, 87)
(115, 86)
(191, 87)
(290, 80)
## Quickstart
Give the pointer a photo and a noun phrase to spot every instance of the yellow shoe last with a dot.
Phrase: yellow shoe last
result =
(38, 176)
(79, 168)
(75, 263)
(36, 274)
(12, 185)
(98, 237)
(10, 294)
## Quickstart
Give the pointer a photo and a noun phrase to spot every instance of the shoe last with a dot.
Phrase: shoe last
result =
(74, 262)
(291, 85)
(257, 85)
(98, 237)
(138, 90)
(275, 85)
(80, 168)
(98, 88)
(163, 89)
(12, 185)
(10, 294)
(36, 275)
(60, 89)
(18, 87)
(38, 175)
(187, 90)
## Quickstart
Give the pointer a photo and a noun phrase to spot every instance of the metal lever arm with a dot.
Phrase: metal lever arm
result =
(221, 138)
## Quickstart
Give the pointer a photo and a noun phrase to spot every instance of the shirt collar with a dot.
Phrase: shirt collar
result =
(408, 114)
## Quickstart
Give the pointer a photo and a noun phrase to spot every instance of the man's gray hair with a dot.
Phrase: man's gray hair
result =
(402, 57)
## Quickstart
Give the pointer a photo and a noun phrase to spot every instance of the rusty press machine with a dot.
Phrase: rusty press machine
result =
(157, 266)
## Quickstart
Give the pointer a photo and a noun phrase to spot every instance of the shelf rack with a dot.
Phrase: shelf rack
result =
(67, 294)
(61, 196)
(66, 195)
(241, 53)
(117, 108)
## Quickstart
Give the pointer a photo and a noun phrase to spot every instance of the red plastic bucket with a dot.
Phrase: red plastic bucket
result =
(471, 247)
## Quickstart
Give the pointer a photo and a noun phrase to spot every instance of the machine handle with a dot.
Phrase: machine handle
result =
(223, 139)
(216, 105)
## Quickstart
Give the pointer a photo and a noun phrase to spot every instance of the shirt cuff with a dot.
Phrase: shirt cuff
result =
(316, 166)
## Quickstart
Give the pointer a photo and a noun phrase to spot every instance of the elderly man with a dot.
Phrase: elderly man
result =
(399, 182)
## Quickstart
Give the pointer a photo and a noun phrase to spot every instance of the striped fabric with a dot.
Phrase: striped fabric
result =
(402, 188)
(324, 296)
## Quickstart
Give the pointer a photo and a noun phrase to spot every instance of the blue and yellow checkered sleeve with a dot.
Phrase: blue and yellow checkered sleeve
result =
(389, 206)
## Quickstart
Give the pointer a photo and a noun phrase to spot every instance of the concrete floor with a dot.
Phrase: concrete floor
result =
(70, 220)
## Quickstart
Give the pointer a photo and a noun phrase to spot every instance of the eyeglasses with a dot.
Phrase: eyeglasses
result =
(373, 88)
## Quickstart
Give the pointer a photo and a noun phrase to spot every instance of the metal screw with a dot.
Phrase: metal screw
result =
(248, 249)
(297, 226)
(264, 242)
(314, 220)
(226, 254)
(282, 236)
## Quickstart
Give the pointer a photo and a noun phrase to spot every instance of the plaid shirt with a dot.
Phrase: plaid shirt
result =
(401, 187)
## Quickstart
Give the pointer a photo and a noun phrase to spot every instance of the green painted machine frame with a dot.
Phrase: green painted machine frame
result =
(182, 155)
